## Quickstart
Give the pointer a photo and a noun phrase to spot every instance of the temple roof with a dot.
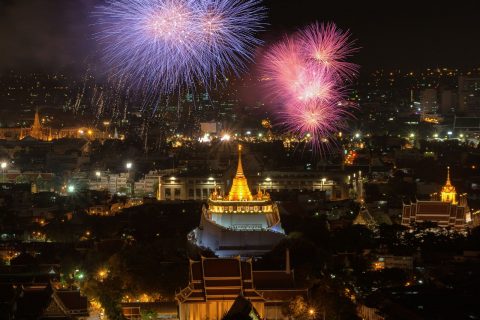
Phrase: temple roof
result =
(240, 190)
(227, 278)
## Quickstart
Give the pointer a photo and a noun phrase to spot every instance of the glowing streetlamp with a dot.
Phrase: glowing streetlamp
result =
(269, 180)
(129, 166)
(3, 165)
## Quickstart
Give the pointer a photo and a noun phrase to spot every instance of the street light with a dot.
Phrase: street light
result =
(323, 182)
(3, 165)
(129, 166)
(269, 180)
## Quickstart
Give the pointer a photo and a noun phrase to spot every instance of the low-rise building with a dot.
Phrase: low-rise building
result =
(215, 283)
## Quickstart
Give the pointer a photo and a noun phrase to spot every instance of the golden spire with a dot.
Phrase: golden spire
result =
(239, 190)
(36, 121)
(239, 166)
(449, 194)
(36, 131)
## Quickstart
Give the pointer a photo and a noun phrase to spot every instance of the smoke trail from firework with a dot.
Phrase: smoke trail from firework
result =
(306, 75)
(172, 44)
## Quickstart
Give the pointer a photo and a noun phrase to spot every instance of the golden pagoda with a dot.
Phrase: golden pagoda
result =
(239, 223)
(240, 190)
(448, 193)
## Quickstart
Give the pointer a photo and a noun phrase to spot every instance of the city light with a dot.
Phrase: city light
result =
(71, 188)
(128, 165)
(205, 139)
(3, 165)
(98, 174)
(225, 137)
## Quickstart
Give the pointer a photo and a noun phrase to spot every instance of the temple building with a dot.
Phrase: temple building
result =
(239, 223)
(447, 209)
(43, 133)
(216, 283)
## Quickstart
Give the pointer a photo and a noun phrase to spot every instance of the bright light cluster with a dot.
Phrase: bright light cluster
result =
(307, 75)
(170, 44)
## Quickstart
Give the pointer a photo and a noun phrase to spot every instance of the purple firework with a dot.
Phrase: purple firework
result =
(169, 44)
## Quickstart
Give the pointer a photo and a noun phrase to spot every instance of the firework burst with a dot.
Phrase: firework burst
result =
(307, 75)
(328, 47)
(170, 44)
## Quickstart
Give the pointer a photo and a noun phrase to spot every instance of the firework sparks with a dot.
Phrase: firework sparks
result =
(328, 47)
(170, 44)
(307, 74)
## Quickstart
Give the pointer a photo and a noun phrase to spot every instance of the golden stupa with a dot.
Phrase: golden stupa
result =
(449, 194)
(240, 190)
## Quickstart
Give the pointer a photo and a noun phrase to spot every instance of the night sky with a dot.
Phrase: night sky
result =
(52, 34)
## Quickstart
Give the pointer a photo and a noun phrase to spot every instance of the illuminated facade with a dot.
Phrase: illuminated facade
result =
(446, 209)
(239, 223)
(448, 194)
(215, 283)
(42, 133)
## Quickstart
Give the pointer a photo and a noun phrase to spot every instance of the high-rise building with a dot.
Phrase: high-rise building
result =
(428, 101)
(469, 95)
(448, 101)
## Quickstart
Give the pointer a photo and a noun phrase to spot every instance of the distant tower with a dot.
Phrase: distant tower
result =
(36, 131)
(449, 194)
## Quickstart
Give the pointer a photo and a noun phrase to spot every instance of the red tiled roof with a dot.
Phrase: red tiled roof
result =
(72, 300)
(272, 280)
(226, 278)
(221, 267)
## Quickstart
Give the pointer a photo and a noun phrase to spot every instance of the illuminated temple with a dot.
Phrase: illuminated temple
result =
(239, 223)
(43, 133)
(446, 209)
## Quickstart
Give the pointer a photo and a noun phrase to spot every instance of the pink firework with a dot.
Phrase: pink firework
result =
(306, 75)
(292, 81)
(316, 120)
(327, 46)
